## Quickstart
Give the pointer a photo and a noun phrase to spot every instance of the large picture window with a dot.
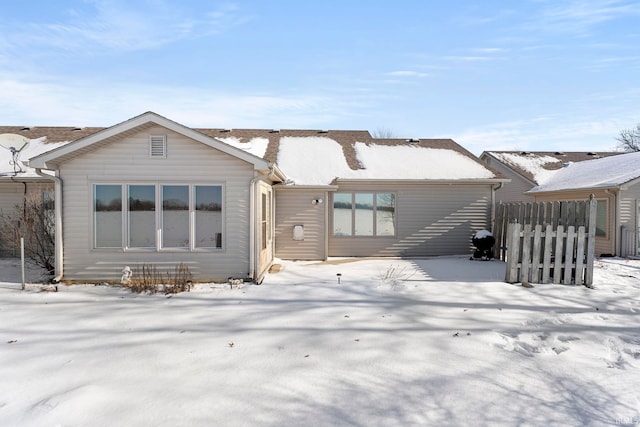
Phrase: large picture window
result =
(158, 216)
(364, 214)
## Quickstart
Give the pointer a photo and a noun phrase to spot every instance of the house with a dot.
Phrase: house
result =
(527, 169)
(226, 202)
(19, 182)
(615, 183)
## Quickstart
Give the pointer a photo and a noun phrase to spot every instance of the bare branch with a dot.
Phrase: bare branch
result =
(383, 133)
(629, 139)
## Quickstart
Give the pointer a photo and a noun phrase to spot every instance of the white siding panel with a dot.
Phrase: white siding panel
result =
(629, 211)
(11, 194)
(431, 220)
(128, 161)
(294, 207)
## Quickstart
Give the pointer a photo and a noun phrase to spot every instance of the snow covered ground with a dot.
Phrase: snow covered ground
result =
(440, 342)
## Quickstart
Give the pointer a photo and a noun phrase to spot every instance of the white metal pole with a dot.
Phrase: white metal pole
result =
(22, 260)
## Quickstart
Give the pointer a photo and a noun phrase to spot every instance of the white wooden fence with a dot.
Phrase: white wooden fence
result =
(551, 251)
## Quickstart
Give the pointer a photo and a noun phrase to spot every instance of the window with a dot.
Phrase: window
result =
(158, 216)
(263, 221)
(107, 210)
(364, 214)
(142, 216)
(175, 216)
(208, 216)
(601, 217)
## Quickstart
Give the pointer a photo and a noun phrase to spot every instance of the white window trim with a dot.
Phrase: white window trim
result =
(375, 210)
(124, 191)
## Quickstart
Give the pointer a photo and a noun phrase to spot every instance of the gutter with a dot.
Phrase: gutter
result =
(57, 199)
(493, 203)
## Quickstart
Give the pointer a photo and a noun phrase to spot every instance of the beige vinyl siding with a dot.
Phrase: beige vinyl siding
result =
(604, 244)
(12, 193)
(431, 220)
(629, 198)
(127, 161)
(12, 196)
(511, 191)
(294, 207)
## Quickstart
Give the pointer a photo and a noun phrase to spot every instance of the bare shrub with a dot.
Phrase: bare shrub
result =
(395, 276)
(34, 220)
(148, 279)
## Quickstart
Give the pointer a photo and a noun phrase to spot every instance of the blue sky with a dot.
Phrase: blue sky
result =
(493, 75)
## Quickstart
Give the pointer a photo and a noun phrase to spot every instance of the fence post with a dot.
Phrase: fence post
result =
(557, 262)
(513, 252)
(580, 256)
(546, 261)
(525, 263)
(535, 260)
(568, 254)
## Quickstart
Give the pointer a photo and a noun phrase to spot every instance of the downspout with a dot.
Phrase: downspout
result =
(493, 203)
(57, 200)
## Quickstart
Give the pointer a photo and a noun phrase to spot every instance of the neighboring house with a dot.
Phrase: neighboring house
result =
(615, 183)
(226, 202)
(527, 169)
(19, 182)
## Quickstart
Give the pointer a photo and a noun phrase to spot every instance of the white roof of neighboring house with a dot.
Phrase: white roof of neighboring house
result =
(607, 172)
(540, 166)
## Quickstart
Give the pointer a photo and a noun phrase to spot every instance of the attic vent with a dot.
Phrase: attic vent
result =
(274, 131)
(25, 128)
(591, 153)
(559, 153)
(226, 130)
(323, 131)
(158, 146)
(525, 153)
(412, 140)
(76, 129)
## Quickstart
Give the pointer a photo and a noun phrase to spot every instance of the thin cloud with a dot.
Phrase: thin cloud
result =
(543, 133)
(406, 73)
(89, 104)
(579, 17)
(125, 26)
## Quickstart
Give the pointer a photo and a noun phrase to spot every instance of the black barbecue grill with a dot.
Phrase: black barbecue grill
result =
(483, 241)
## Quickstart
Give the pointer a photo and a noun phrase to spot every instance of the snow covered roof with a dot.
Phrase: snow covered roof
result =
(17, 170)
(540, 166)
(319, 161)
(607, 172)
(309, 157)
